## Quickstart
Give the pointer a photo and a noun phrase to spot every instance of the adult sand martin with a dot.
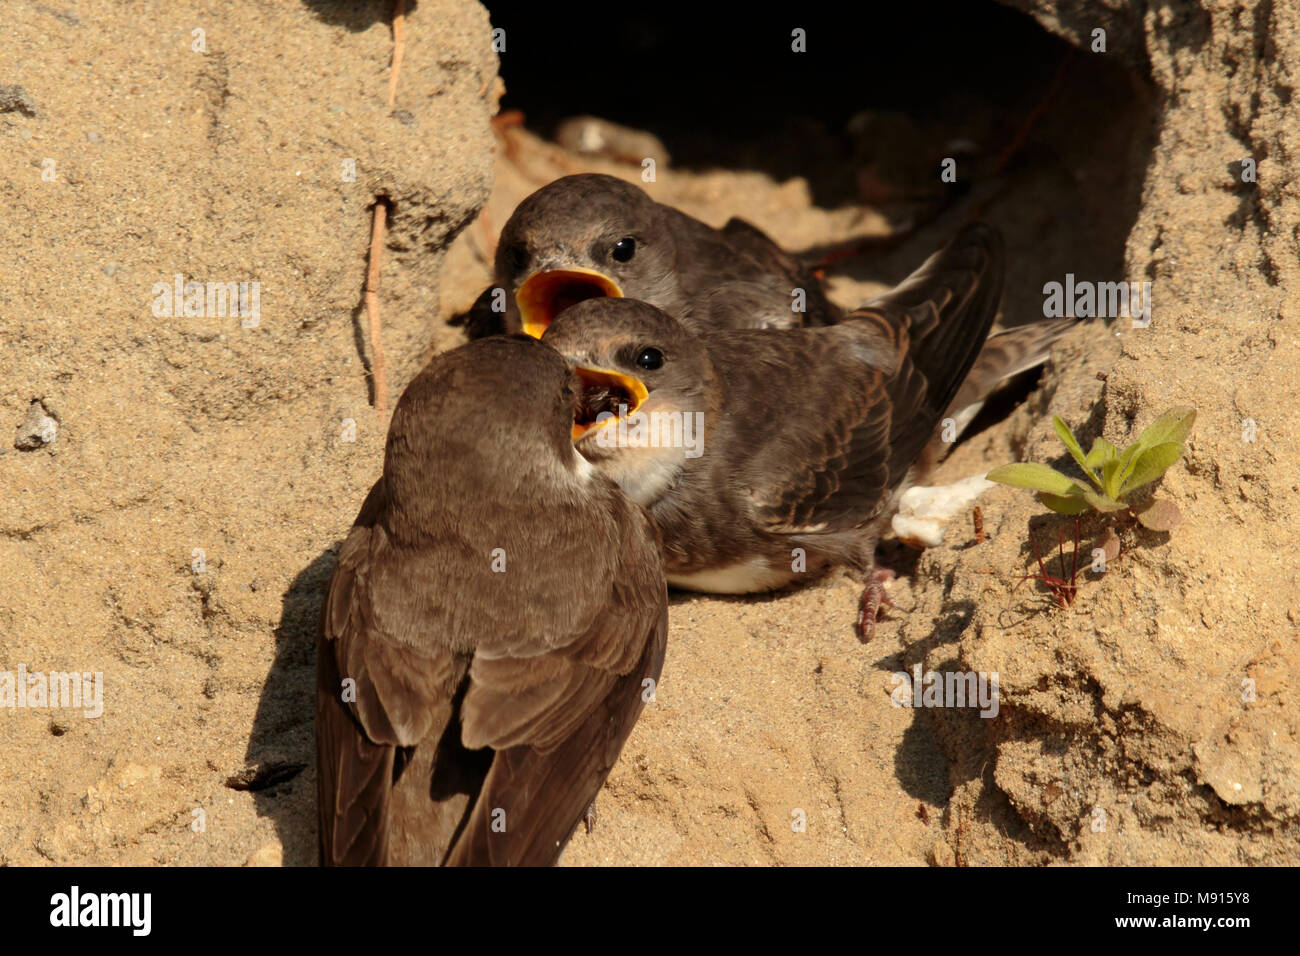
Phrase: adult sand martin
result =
(808, 435)
(489, 627)
(592, 235)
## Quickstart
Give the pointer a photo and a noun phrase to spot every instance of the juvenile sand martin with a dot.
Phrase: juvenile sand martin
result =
(808, 435)
(593, 235)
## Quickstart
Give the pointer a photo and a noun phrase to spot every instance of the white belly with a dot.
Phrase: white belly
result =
(745, 577)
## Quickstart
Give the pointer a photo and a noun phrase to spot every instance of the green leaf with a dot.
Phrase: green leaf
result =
(1072, 444)
(1065, 504)
(1124, 467)
(1110, 479)
(1150, 465)
(1103, 503)
(1034, 476)
(1102, 452)
(1170, 428)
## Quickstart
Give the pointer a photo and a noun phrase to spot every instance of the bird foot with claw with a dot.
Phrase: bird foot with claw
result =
(874, 596)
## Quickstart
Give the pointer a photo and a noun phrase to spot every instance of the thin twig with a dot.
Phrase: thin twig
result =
(399, 24)
(380, 367)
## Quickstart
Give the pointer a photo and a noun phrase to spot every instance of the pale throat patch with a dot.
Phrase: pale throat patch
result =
(643, 474)
(582, 468)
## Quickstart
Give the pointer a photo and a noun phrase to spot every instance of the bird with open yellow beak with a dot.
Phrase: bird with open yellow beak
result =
(768, 456)
(594, 236)
(591, 236)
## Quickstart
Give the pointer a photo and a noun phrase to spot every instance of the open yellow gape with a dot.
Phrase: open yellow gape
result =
(546, 294)
(614, 390)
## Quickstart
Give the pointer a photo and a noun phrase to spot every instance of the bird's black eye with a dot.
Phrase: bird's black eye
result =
(650, 359)
(516, 258)
(624, 249)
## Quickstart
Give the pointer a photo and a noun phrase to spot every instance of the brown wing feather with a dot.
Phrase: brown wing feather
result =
(785, 268)
(422, 709)
(403, 683)
(820, 462)
(558, 723)
(869, 390)
(1007, 354)
(354, 773)
(540, 794)
(947, 307)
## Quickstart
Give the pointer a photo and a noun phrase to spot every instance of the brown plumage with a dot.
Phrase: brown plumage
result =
(1006, 354)
(809, 434)
(734, 277)
(709, 279)
(467, 712)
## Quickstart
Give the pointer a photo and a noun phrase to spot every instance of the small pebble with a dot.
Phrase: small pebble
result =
(110, 269)
(16, 99)
(36, 429)
(94, 137)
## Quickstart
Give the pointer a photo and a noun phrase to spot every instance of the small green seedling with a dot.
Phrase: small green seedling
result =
(1115, 474)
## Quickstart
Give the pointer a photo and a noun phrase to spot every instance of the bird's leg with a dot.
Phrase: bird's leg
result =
(873, 596)
(589, 816)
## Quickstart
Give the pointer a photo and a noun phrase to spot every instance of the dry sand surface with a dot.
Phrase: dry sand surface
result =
(178, 532)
